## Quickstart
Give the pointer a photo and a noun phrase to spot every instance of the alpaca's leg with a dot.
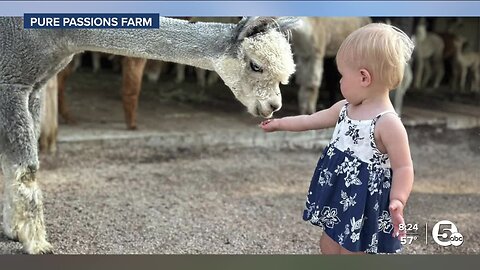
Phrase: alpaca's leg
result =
(49, 121)
(201, 77)
(307, 97)
(96, 62)
(19, 131)
(35, 106)
(463, 78)
(419, 66)
(439, 72)
(473, 79)
(427, 75)
(309, 77)
(116, 62)
(62, 102)
(402, 89)
(476, 79)
(132, 71)
(153, 70)
(180, 68)
(399, 94)
(212, 78)
(454, 82)
(77, 62)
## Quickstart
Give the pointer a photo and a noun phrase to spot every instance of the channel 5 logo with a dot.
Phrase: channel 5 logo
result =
(445, 233)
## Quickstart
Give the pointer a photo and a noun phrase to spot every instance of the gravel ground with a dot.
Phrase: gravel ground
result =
(146, 200)
(120, 199)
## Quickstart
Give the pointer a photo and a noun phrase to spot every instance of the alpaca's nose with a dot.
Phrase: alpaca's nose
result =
(32, 168)
(274, 106)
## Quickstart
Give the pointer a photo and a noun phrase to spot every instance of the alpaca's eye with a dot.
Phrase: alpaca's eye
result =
(255, 67)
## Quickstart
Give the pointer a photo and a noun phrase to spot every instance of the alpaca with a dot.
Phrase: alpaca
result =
(132, 72)
(204, 78)
(448, 37)
(449, 56)
(406, 25)
(399, 93)
(252, 57)
(62, 77)
(428, 51)
(154, 68)
(96, 58)
(133, 69)
(466, 61)
(48, 117)
(318, 38)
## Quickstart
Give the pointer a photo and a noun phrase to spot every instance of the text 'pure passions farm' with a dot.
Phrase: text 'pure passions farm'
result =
(91, 20)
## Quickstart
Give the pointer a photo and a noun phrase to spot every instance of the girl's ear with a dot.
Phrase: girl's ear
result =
(365, 78)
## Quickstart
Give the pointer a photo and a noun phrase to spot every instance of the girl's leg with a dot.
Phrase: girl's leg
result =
(328, 246)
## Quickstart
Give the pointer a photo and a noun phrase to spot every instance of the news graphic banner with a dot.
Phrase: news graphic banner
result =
(91, 20)
(249, 8)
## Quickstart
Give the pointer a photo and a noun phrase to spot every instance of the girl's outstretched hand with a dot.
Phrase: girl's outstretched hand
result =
(396, 212)
(269, 125)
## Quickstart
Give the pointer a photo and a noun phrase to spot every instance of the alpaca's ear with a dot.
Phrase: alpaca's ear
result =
(250, 26)
(285, 24)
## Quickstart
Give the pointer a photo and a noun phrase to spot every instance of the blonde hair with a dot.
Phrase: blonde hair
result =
(382, 49)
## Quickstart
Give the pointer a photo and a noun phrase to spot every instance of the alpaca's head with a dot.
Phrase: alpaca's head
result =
(259, 61)
(458, 42)
(421, 31)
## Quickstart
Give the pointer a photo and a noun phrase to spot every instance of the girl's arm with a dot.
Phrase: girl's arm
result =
(395, 139)
(321, 119)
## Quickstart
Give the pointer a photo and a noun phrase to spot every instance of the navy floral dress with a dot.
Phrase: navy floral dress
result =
(350, 189)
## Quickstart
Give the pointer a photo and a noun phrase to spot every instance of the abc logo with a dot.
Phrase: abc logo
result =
(445, 233)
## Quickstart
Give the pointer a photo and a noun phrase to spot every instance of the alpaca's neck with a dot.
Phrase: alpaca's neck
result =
(466, 59)
(196, 44)
(459, 54)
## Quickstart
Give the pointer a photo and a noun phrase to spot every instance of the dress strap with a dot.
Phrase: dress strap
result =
(343, 113)
(373, 144)
(385, 112)
(374, 122)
